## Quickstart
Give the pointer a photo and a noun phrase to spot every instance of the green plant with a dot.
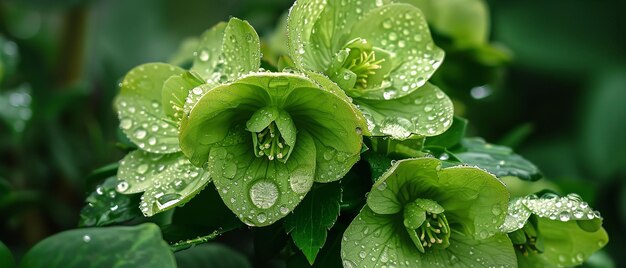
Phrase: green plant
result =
(294, 146)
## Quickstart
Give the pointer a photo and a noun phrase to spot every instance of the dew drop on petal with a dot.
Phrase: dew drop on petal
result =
(264, 194)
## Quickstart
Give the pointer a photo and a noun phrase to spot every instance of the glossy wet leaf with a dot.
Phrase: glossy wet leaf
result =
(374, 240)
(452, 136)
(211, 255)
(6, 258)
(140, 108)
(499, 160)
(167, 180)
(134, 246)
(427, 112)
(311, 220)
(106, 206)
(227, 51)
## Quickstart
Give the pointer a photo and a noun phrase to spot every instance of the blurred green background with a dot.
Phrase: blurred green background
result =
(551, 83)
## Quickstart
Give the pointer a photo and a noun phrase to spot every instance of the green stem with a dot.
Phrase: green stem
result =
(182, 245)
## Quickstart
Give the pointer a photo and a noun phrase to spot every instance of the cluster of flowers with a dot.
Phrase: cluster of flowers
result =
(354, 69)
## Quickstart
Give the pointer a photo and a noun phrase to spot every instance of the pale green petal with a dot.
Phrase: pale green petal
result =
(402, 30)
(426, 112)
(257, 190)
(374, 240)
(167, 180)
(140, 109)
(404, 182)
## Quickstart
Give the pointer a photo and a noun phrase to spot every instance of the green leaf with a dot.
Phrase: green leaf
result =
(374, 240)
(450, 137)
(227, 51)
(140, 108)
(311, 220)
(466, 22)
(134, 246)
(427, 112)
(106, 206)
(400, 29)
(167, 180)
(499, 160)
(6, 258)
(378, 163)
(211, 255)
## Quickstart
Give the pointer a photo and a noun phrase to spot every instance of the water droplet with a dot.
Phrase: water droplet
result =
(261, 218)
(387, 24)
(349, 264)
(278, 83)
(152, 141)
(204, 55)
(329, 153)
(284, 210)
(167, 200)
(86, 238)
(362, 254)
(230, 169)
(122, 186)
(126, 123)
(141, 169)
(197, 90)
(264, 194)
(140, 134)
(564, 216)
(300, 181)
(114, 208)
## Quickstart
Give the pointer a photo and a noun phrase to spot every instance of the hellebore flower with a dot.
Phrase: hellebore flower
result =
(266, 137)
(420, 215)
(380, 54)
(153, 100)
(553, 231)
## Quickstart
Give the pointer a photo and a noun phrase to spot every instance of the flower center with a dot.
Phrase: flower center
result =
(527, 239)
(435, 231)
(363, 65)
(270, 143)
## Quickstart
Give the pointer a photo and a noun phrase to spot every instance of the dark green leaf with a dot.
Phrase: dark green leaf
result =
(311, 220)
(451, 137)
(379, 163)
(211, 255)
(499, 160)
(6, 258)
(106, 206)
(134, 246)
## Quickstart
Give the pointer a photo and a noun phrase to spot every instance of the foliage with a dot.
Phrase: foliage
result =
(337, 141)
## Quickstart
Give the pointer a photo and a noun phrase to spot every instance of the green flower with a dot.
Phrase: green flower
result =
(420, 215)
(553, 231)
(380, 54)
(153, 100)
(265, 138)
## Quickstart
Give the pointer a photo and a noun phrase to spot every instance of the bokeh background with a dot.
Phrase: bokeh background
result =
(549, 81)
